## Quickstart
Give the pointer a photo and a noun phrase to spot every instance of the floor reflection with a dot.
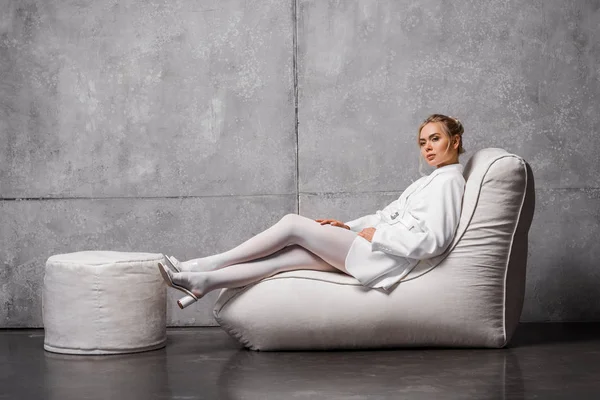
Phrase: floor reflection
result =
(105, 377)
(477, 374)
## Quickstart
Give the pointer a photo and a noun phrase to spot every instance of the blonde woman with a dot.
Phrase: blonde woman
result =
(377, 249)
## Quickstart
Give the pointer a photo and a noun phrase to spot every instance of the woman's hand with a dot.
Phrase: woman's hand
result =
(367, 233)
(333, 222)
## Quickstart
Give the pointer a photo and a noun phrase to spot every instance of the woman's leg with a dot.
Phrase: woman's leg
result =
(326, 241)
(287, 259)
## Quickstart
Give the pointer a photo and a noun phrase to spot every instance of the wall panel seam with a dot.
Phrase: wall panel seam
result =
(295, 76)
(143, 197)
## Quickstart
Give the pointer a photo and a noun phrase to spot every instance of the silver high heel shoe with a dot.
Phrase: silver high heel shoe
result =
(184, 301)
(172, 263)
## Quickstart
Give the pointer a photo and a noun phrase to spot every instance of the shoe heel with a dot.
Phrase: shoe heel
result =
(185, 301)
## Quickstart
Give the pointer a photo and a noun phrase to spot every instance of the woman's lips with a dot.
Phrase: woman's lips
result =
(431, 156)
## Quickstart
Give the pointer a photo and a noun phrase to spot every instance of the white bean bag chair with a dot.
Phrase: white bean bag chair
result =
(104, 302)
(470, 296)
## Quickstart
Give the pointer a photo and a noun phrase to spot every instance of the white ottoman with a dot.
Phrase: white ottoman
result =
(104, 302)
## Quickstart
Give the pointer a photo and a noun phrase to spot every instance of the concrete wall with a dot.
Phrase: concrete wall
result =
(170, 127)
(140, 126)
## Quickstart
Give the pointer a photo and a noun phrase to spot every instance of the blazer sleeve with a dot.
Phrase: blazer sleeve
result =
(361, 223)
(427, 228)
(371, 220)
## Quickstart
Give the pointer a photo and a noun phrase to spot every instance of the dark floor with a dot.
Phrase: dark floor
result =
(544, 361)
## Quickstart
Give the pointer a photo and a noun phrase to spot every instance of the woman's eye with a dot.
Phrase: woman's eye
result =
(435, 139)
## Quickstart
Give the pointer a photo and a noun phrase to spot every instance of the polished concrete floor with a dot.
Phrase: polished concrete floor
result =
(544, 361)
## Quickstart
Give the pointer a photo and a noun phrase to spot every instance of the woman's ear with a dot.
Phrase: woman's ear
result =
(456, 143)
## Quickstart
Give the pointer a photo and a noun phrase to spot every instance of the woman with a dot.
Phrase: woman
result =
(378, 249)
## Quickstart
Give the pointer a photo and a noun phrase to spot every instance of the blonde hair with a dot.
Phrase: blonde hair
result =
(451, 127)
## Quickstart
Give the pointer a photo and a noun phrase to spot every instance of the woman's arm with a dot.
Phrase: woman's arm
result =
(359, 224)
(371, 220)
(427, 228)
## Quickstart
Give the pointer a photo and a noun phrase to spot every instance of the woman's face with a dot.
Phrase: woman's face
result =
(434, 146)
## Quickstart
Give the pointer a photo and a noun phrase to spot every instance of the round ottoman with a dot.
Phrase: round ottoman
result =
(103, 302)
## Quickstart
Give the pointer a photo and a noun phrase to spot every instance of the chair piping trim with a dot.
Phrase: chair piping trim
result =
(512, 239)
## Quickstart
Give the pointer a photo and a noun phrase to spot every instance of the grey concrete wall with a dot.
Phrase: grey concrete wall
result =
(170, 127)
(152, 126)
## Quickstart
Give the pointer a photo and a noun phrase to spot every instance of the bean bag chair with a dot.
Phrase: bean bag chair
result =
(469, 296)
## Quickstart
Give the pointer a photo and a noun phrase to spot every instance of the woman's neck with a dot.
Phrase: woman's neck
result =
(451, 162)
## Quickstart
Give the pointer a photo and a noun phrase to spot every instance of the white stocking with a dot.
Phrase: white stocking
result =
(295, 242)
(326, 241)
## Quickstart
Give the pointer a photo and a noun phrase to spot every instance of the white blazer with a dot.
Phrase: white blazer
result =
(419, 225)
